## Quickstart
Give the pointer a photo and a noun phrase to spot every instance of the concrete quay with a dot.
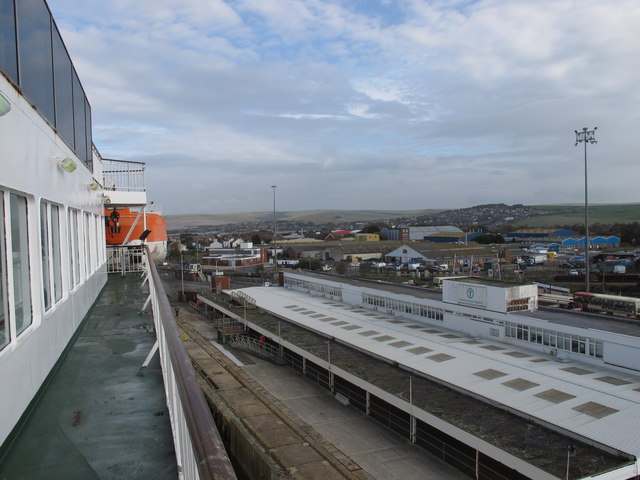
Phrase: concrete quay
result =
(277, 424)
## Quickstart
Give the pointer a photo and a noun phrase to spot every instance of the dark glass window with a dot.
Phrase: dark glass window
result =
(36, 64)
(4, 299)
(21, 285)
(78, 119)
(62, 70)
(87, 116)
(8, 52)
(46, 255)
(55, 252)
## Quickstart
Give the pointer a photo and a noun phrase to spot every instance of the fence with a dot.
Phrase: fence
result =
(125, 259)
(200, 452)
(123, 176)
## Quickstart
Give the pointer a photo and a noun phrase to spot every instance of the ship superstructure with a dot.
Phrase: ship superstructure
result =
(52, 255)
(54, 262)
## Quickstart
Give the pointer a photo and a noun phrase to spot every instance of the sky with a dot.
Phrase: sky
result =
(362, 104)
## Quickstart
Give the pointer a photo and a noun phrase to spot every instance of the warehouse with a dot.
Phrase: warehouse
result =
(573, 384)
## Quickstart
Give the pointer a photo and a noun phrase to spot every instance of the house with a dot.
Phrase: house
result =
(367, 237)
(405, 254)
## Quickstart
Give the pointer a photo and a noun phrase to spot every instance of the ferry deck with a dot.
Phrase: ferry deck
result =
(101, 415)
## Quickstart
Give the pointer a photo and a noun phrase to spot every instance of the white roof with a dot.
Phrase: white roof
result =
(600, 404)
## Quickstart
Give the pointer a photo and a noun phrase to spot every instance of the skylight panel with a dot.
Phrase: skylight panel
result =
(490, 374)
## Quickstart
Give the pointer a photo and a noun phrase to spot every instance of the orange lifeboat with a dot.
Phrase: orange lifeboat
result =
(121, 227)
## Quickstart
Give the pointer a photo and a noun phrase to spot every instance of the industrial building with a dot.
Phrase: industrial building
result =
(367, 237)
(405, 234)
(476, 374)
(246, 254)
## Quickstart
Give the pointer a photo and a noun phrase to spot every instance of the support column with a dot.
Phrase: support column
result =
(331, 386)
(368, 404)
(412, 429)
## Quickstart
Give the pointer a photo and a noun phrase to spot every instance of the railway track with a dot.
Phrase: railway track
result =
(340, 463)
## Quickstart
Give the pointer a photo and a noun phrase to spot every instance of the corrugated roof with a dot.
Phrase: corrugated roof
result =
(593, 402)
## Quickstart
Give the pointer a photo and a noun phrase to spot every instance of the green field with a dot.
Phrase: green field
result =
(574, 214)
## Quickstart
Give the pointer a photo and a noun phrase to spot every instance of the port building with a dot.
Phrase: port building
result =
(477, 374)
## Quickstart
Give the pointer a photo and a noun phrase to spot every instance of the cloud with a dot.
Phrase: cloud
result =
(386, 105)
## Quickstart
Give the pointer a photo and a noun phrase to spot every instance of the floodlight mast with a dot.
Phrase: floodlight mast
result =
(586, 136)
(275, 245)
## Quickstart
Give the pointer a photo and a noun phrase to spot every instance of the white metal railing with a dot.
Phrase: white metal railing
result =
(120, 175)
(256, 347)
(245, 297)
(200, 452)
(124, 259)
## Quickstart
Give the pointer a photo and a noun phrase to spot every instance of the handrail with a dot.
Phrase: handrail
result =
(123, 175)
(208, 452)
(122, 161)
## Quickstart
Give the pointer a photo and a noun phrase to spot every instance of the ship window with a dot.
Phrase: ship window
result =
(79, 126)
(21, 285)
(8, 51)
(63, 88)
(36, 60)
(87, 132)
(50, 248)
(4, 301)
(72, 242)
(46, 263)
(55, 252)
(87, 244)
(74, 250)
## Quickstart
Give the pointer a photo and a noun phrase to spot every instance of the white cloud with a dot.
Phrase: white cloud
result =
(364, 105)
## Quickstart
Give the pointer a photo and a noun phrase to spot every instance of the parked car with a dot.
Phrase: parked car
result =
(574, 272)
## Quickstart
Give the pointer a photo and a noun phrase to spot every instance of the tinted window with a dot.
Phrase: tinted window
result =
(46, 259)
(21, 285)
(36, 66)
(63, 88)
(80, 134)
(55, 252)
(4, 299)
(8, 55)
(87, 116)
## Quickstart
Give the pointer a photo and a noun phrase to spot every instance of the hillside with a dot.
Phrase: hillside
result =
(316, 217)
(493, 216)
(574, 214)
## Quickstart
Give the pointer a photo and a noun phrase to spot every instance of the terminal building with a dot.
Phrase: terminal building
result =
(477, 374)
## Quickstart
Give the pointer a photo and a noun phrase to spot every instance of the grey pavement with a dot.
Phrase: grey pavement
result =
(383, 454)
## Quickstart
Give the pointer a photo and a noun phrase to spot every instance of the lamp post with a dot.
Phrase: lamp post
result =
(182, 276)
(275, 245)
(586, 136)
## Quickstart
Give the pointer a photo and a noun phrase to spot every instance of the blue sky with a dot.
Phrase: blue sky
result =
(362, 104)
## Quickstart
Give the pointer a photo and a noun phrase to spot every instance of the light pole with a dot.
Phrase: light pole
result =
(586, 136)
(182, 276)
(275, 245)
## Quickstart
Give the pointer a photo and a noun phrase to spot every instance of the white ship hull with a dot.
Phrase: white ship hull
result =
(49, 285)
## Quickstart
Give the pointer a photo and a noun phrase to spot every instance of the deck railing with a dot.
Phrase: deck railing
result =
(200, 452)
(123, 176)
(124, 259)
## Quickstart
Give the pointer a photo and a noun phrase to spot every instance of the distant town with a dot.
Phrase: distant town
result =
(490, 240)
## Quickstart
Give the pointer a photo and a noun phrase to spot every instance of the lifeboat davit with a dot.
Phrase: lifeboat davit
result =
(122, 226)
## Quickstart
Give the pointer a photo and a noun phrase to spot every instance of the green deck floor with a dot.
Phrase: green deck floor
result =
(97, 418)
